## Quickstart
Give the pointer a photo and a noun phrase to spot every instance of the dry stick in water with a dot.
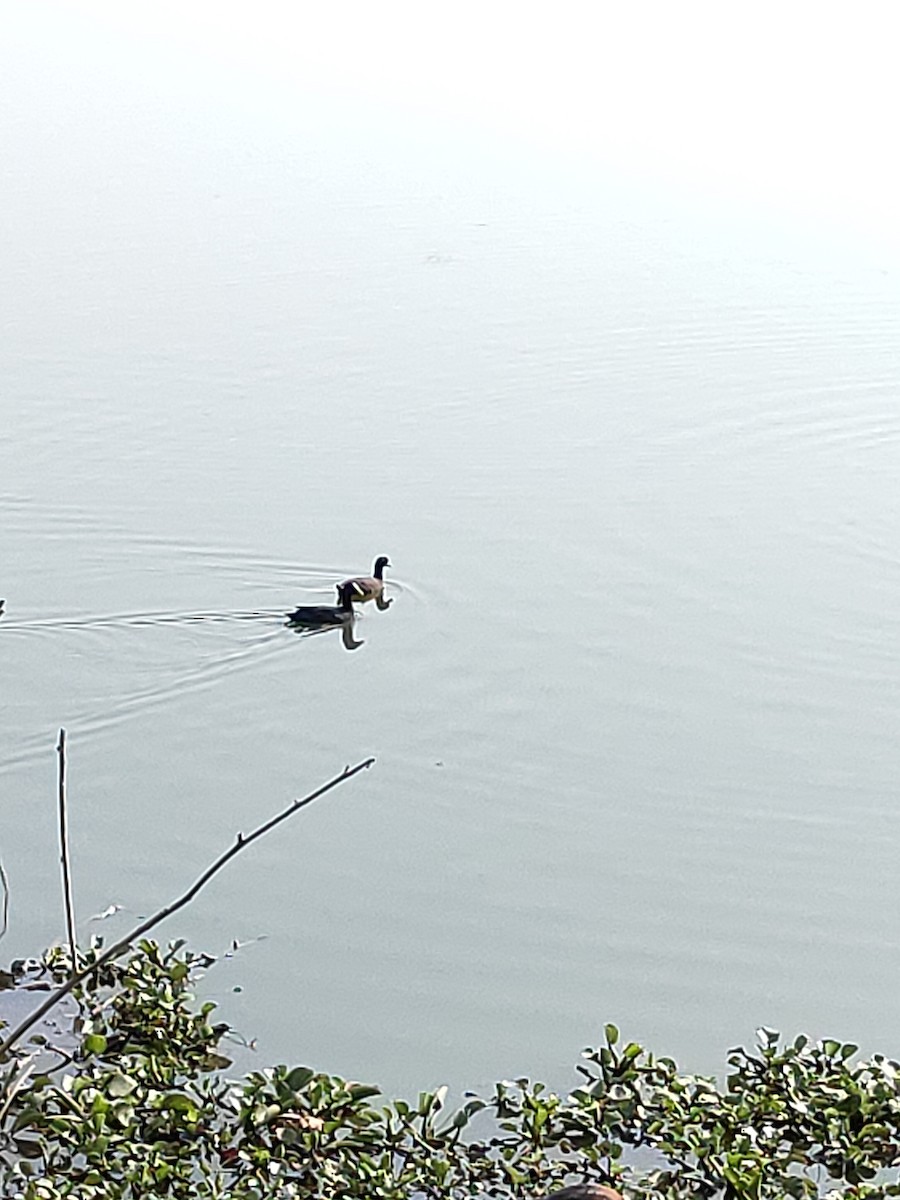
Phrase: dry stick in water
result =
(64, 853)
(5, 884)
(123, 944)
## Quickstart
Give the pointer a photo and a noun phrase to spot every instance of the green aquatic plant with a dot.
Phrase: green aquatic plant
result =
(134, 1099)
(126, 1095)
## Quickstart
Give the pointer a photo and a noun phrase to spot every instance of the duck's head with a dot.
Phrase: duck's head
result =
(380, 563)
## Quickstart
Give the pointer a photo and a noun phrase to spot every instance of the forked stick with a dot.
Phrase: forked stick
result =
(123, 944)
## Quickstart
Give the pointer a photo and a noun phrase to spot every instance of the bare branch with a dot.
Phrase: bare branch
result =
(241, 843)
(4, 882)
(64, 854)
(15, 1081)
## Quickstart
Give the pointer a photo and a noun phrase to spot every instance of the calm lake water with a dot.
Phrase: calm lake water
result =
(634, 458)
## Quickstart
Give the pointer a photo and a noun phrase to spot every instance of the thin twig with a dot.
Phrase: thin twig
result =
(5, 912)
(241, 843)
(14, 1085)
(64, 854)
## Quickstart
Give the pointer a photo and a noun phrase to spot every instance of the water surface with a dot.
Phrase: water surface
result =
(634, 461)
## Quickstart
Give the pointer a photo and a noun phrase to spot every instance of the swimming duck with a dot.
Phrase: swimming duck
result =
(321, 616)
(371, 587)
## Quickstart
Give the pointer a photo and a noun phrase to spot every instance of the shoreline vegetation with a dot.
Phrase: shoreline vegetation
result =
(133, 1099)
(126, 1095)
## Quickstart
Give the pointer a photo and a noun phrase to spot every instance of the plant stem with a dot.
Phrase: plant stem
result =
(64, 854)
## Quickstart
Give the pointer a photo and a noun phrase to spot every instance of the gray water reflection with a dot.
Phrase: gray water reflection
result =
(635, 714)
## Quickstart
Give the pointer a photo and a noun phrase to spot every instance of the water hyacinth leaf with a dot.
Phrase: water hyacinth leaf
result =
(29, 1116)
(121, 1085)
(29, 1147)
(873, 1131)
(266, 1113)
(464, 1115)
(216, 1062)
(299, 1077)
(178, 1102)
(612, 1034)
(124, 1114)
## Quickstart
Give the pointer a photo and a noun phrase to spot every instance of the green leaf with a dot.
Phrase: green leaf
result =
(95, 1043)
(612, 1034)
(123, 1113)
(299, 1078)
(29, 1147)
(215, 1062)
(120, 1085)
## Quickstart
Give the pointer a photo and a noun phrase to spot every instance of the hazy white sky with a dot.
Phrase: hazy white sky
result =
(792, 105)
